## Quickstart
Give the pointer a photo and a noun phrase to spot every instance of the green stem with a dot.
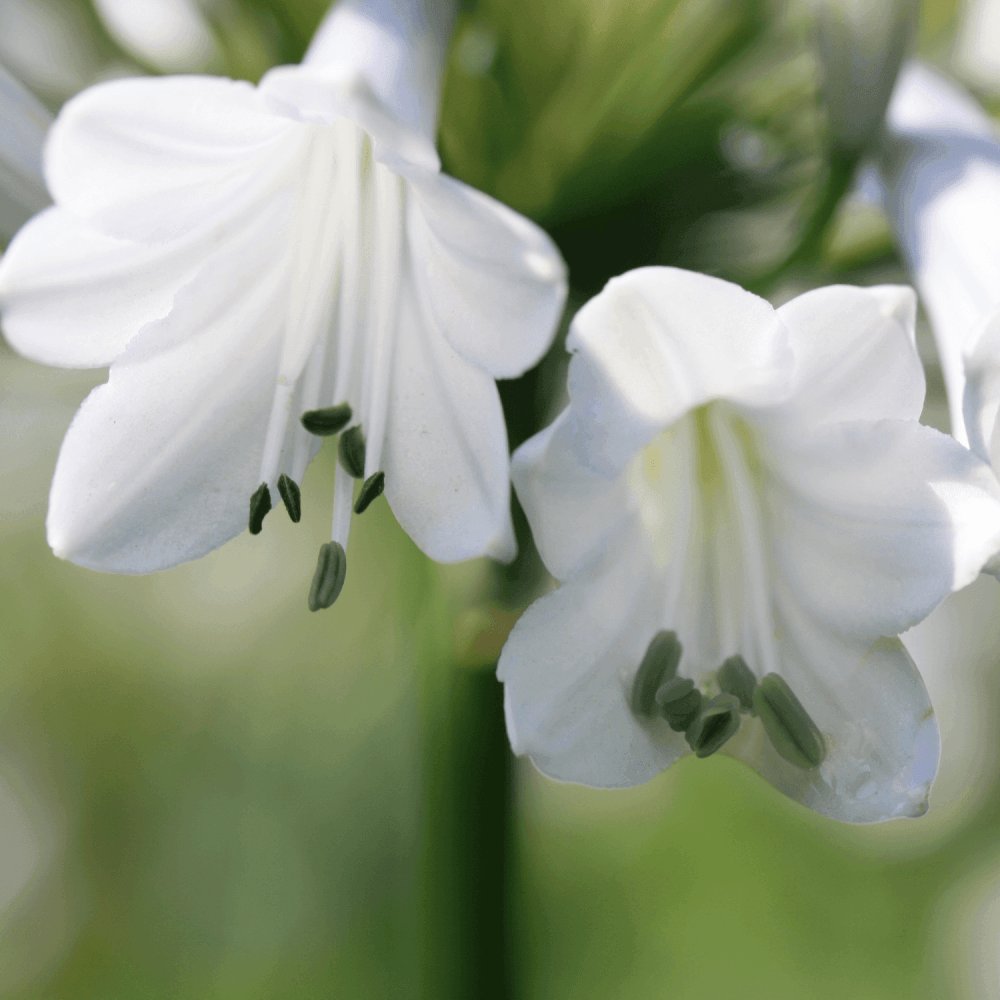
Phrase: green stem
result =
(466, 883)
(840, 174)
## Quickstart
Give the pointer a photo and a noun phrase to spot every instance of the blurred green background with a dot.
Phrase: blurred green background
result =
(206, 791)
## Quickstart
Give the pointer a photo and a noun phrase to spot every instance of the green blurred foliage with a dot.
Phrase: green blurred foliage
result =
(233, 798)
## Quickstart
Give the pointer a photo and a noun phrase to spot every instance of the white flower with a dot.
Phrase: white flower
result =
(241, 256)
(24, 121)
(733, 481)
(940, 163)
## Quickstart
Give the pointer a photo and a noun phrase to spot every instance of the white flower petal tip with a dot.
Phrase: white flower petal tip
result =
(259, 273)
(769, 542)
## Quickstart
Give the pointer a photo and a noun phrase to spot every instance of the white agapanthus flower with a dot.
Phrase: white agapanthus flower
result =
(24, 120)
(940, 163)
(743, 512)
(256, 261)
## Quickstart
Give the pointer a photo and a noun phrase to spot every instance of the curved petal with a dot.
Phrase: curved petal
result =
(445, 456)
(982, 393)
(322, 98)
(159, 463)
(658, 342)
(881, 735)
(855, 355)
(151, 159)
(572, 510)
(941, 165)
(565, 668)
(494, 282)
(873, 524)
(397, 46)
(74, 298)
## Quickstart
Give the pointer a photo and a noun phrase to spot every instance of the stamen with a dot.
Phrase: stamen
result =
(658, 665)
(679, 702)
(371, 490)
(260, 504)
(718, 721)
(328, 580)
(328, 421)
(352, 451)
(736, 678)
(291, 495)
(389, 205)
(792, 731)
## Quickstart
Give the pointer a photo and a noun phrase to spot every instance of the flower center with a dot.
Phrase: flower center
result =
(344, 258)
(698, 489)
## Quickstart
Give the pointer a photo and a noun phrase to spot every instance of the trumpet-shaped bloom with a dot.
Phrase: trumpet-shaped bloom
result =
(242, 256)
(743, 512)
(23, 124)
(940, 162)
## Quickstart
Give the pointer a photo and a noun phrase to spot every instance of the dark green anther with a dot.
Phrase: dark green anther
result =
(717, 722)
(371, 490)
(292, 497)
(260, 504)
(658, 665)
(352, 451)
(792, 731)
(328, 580)
(327, 422)
(679, 702)
(735, 677)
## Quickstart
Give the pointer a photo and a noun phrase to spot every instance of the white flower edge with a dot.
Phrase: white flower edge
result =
(174, 234)
(870, 520)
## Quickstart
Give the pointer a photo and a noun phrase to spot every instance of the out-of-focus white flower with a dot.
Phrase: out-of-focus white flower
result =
(744, 513)
(861, 46)
(24, 120)
(172, 35)
(940, 163)
(243, 256)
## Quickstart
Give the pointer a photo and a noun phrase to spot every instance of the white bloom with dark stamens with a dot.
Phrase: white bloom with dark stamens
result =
(24, 120)
(940, 162)
(241, 255)
(754, 483)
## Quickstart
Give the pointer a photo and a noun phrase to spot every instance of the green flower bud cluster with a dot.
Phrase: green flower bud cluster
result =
(708, 723)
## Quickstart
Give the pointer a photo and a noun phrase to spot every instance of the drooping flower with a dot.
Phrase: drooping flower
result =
(24, 120)
(940, 162)
(245, 257)
(743, 513)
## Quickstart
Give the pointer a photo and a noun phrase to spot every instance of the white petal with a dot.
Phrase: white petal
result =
(172, 35)
(316, 97)
(565, 670)
(855, 355)
(873, 524)
(23, 124)
(73, 297)
(982, 394)
(572, 510)
(494, 282)
(658, 342)
(445, 455)
(397, 46)
(151, 159)
(941, 165)
(882, 739)
(159, 464)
